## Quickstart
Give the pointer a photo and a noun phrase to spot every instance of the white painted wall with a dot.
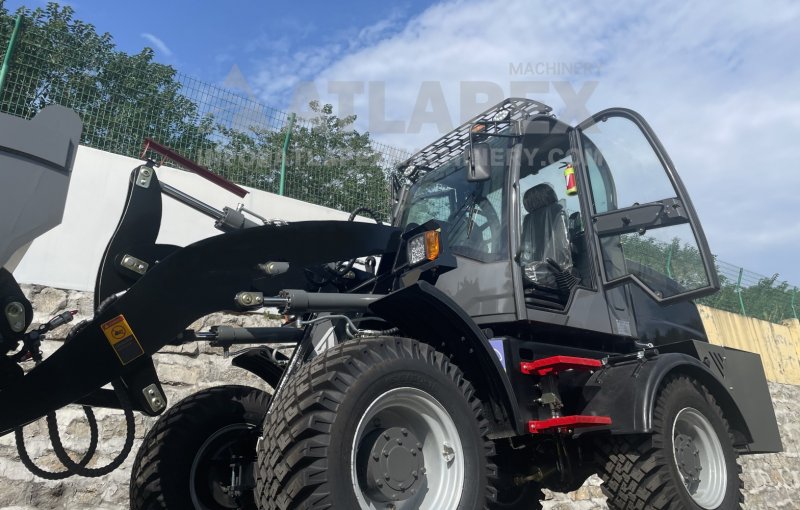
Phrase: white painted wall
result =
(68, 256)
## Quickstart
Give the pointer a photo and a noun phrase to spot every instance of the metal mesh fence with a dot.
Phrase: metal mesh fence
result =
(753, 294)
(124, 98)
(741, 291)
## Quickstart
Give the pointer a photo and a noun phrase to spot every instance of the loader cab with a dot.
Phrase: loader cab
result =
(584, 226)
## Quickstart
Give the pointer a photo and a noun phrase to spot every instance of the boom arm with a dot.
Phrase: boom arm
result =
(192, 282)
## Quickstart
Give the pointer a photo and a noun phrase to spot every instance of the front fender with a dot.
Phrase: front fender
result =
(424, 312)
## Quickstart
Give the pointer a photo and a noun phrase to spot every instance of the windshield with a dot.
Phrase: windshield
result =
(474, 211)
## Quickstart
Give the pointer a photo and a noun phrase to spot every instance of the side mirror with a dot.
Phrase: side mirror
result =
(480, 164)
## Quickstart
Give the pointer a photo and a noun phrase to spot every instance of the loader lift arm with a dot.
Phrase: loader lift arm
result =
(192, 282)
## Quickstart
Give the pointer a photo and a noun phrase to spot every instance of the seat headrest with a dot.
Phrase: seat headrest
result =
(539, 196)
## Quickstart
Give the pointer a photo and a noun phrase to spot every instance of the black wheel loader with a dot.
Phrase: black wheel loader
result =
(525, 320)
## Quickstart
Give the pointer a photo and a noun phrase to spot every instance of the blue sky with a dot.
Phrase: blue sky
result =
(719, 81)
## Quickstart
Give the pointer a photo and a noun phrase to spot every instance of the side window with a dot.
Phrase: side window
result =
(640, 216)
(552, 174)
(602, 185)
(551, 230)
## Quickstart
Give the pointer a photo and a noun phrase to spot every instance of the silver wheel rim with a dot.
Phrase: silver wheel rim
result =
(694, 436)
(424, 417)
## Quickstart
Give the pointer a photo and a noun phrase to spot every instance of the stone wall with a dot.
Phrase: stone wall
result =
(771, 481)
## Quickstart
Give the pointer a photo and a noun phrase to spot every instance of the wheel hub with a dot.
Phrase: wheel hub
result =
(688, 458)
(396, 466)
(221, 474)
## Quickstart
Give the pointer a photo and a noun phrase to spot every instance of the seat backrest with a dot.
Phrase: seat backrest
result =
(544, 228)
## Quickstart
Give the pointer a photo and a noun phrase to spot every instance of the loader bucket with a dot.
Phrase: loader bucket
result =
(36, 158)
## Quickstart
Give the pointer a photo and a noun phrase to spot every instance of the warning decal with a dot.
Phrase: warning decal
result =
(120, 335)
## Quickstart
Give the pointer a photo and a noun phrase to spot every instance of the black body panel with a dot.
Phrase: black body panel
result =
(665, 324)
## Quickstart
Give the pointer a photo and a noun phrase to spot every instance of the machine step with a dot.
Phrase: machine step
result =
(556, 364)
(567, 423)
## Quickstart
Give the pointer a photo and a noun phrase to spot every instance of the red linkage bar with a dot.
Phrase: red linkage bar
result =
(194, 167)
(566, 423)
(555, 364)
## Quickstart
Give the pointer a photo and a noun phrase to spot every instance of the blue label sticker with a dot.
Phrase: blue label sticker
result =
(499, 350)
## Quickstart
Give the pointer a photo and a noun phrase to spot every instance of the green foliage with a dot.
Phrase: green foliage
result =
(330, 158)
(326, 159)
(679, 261)
(757, 296)
(121, 98)
(124, 98)
(767, 299)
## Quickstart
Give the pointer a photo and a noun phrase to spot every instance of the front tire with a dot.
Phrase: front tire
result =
(689, 461)
(372, 422)
(185, 460)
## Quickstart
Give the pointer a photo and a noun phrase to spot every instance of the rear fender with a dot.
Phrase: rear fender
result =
(627, 391)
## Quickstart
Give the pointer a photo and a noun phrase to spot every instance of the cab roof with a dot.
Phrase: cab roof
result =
(493, 120)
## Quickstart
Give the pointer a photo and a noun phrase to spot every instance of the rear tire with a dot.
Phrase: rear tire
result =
(373, 419)
(184, 460)
(688, 463)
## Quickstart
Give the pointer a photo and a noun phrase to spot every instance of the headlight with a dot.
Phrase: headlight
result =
(423, 247)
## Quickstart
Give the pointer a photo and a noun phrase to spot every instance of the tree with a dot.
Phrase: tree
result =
(121, 98)
(328, 163)
(124, 98)
(336, 163)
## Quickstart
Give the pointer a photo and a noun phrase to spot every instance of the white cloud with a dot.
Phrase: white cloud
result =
(282, 65)
(718, 81)
(157, 44)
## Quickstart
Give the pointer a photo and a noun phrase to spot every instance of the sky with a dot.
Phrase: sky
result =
(719, 81)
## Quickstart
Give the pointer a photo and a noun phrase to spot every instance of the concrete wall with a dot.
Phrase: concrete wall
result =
(778, 344)
(68, 256)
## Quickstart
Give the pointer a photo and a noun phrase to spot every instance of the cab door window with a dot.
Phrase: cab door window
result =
(646, 226)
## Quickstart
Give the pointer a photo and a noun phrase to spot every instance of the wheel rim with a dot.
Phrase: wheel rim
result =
(222, 467)
(699, 457)
(407, 454)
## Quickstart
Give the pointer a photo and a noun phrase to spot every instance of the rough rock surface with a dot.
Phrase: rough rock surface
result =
(771, 481)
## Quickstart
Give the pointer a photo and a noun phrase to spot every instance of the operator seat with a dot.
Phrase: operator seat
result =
(545, 251)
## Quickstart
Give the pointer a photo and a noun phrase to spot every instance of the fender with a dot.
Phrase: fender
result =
(262, 362)
(424, 312)
(627, 391)
(194, 281)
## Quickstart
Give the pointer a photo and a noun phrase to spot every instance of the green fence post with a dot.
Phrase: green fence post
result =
(9, 53)
(283, 153)
(669, 261)
(739, 291)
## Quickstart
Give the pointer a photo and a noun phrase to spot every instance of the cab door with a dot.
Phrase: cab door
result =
(643, 224)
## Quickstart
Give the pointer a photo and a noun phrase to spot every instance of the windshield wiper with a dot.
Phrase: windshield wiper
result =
(469, 201)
